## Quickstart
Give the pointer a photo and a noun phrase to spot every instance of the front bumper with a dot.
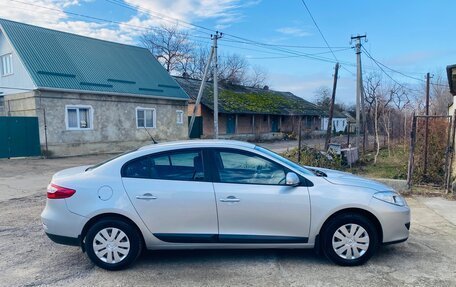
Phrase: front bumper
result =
(395, 221)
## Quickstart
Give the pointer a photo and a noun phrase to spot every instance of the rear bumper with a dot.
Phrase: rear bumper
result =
(65, 240)
(59, 221)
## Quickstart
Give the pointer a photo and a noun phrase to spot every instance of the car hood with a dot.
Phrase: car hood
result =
(345, 178)
(70, 171)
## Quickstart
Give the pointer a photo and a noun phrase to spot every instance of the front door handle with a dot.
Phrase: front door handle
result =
(230, 199)
(146, 196)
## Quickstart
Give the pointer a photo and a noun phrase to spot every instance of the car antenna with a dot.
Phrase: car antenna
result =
(151, 137)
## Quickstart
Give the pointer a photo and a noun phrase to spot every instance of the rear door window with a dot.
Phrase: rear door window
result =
(186, 165)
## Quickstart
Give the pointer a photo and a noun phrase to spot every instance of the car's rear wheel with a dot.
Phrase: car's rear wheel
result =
(349, 239)
(113, 244)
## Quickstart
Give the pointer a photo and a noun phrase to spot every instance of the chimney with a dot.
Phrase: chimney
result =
(266, 87)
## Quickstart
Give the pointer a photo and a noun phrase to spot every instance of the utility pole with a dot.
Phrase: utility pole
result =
(359, 93)
(214, 46)
(213, 55)
(331, 108)
(426, 131)
(200, 92)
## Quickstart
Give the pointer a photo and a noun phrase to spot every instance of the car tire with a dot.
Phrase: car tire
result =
(349, 239)
(113, 244)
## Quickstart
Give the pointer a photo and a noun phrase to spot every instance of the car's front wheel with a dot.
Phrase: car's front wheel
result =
(113, 244)
(349, 239)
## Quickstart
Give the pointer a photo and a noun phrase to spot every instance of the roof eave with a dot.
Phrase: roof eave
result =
(108, 93)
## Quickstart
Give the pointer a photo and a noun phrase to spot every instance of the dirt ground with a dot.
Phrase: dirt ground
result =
(428, 258)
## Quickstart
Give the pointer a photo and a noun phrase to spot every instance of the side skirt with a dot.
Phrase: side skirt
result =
(228, 238)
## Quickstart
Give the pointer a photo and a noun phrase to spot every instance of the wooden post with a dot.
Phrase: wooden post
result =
(299, 140)
(426, 131)
(253, 124)
(447, 151)
(411, 154)
(236, 124)
(450, 167)
(331, 109)
(405, 130)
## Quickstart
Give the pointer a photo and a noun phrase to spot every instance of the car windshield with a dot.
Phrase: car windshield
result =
(285, 161)
(108, 160)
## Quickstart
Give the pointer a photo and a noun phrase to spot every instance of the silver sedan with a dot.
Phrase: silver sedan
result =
(219, 194)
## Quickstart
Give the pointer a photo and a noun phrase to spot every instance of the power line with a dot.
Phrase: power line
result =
(323, 36)
(144, 28)
(295, 56)
(399, 72)
(388, 75)
(159, 15)
(282, 51)
(318, 28)
(246, 41)
(271, 47)
(289, 46)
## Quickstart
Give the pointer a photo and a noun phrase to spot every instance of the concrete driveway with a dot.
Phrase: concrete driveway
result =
(29, 258)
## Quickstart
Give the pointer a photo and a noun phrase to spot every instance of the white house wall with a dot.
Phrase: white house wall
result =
(20, 79)
(338, 123)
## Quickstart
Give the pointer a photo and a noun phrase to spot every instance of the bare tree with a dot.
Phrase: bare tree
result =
(195, 64)
(170, 46)
(440, 96)
(372, 85)
(233, 69)
(257, 76)
(377, 140)
(176, 53)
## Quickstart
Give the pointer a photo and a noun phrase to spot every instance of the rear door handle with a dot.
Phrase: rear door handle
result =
(230, 199)
(146, 196)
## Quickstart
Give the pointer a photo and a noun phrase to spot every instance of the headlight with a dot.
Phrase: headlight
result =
(390, 197)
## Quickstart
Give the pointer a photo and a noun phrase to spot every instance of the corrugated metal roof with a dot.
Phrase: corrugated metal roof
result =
(247, 100)
(60, 60)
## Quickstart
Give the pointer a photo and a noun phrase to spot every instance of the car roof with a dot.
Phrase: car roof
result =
(199, 143)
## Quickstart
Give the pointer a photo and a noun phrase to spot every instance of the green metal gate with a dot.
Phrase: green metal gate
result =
(197, 129)
(19, 136)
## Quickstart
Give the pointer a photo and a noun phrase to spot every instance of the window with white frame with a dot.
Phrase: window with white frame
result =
(7, 64)
(180, 117)
(79, 117)
(145, 117)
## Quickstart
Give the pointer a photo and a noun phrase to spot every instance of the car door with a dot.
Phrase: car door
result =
(254, 204)
(173, 195)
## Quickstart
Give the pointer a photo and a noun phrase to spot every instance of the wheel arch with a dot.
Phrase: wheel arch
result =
(110, 215)
(369, 215)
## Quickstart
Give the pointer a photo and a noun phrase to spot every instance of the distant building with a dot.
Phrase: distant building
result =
(250, 113)
(89, 95)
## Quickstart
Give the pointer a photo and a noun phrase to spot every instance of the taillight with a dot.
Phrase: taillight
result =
(58, 192)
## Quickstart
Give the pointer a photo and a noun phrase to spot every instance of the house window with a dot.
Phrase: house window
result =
(145, 117)
(180, 117)
(7, 64)
(79, 117)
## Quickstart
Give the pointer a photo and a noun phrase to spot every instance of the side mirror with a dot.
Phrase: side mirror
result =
(292, 179)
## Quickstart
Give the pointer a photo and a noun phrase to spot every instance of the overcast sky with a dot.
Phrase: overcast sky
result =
(413, 37)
